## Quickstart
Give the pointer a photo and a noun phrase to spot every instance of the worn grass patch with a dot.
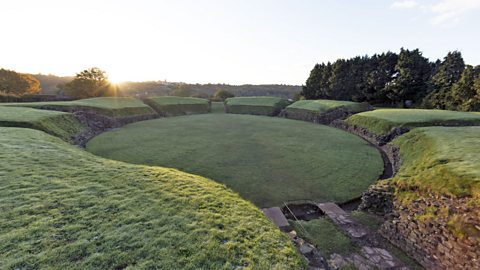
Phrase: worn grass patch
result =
(383, 120)
(327, 237)
(255, 105)
(63, 208)
(267, 160)
(442, 160)
(108, 106)
(60, 124)
(173, 106)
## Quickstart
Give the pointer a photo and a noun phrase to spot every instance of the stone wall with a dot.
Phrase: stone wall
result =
(421, 228)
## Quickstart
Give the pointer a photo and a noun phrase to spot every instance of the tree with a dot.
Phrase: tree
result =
(92, 82)
(221, 95)
(15, 83)
(465, 92)
(446, 75)
(409, 82)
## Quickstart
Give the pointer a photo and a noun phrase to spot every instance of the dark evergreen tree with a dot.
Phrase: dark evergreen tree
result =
(463, 94)
(446, 75)
(409, 82)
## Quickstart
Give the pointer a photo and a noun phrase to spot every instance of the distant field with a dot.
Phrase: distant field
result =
(109, 106)
(173, 106)
(267, 160)
(63, 208)
(443, 160)
(383, 120)
(255, 105)
(63, 125)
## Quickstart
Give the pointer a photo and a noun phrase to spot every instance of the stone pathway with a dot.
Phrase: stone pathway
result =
(367, 258)
(343, 220)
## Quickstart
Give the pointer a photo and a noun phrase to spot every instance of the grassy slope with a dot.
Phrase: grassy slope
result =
(172, 106)
(267, 160)
(383, 120)
(324, 105)
(63, 125)
(441, 160)
(109, 106)
(63, 208)
(255, 105)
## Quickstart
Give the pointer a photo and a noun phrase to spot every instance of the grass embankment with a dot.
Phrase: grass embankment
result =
(442, 160)
(383, 120)
(63, 208)
(267, 160)
(109, 106)
(60, 124)
(255, 105)
(313, 110)
(173, 106)
(325, 105)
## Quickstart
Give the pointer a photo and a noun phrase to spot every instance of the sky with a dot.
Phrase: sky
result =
(226, 41)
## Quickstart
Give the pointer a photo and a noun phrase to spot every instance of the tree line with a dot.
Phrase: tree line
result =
(398, 79)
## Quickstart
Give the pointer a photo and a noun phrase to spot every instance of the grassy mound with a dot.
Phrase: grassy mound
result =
(267, 160)
(172, 106)
(325, 105)
(63, 208)
(311, 110)
(383, 120)
(108, 106)
(255, 105)
(60, 124)
(441, 160)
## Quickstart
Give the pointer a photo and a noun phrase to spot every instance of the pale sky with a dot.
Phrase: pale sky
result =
(229, 41)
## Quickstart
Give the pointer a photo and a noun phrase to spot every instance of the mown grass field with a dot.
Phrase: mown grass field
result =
(63, 125)
(442, 160)
(63, 208)
(173, 106)
(255, 105)
(383, 120)
(109, 106)
(325, 105)
(266, 160)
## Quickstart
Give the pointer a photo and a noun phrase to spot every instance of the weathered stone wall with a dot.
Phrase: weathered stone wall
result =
(421, 228)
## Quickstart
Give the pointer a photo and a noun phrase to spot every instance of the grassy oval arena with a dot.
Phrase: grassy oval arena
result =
(266, 160)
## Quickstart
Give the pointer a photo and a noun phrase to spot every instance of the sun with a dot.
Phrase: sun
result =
(115, 79)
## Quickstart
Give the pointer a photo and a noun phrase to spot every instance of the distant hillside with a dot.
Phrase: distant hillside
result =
(49, 83)
(166, 88)
(160, 88)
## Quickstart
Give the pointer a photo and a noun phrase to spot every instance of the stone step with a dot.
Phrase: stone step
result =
(343, 219)
(277, 217)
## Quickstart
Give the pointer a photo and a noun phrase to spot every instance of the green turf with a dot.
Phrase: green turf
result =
(441, 160)
(63, 125)
(173, 106)
(327, 237)
(383, 120)
(63, 208)
(267, 160)
(218, 107)
(325, 105)
(255, 105)
(109, 106)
